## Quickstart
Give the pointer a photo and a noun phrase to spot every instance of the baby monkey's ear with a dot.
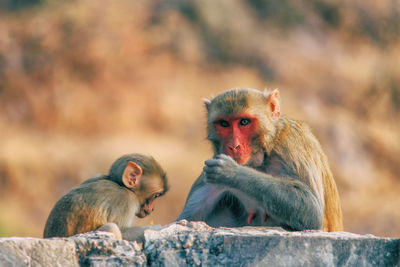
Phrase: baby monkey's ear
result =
(132, 175)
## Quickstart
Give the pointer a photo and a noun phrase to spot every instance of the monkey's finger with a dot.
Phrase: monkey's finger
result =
(209, 170)
(213, 162)
(222, 156)
(205, 169)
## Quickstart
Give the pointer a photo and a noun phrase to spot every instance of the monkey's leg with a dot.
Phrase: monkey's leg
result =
(111, 228)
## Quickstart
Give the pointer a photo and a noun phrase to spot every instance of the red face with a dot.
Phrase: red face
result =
(236, 133)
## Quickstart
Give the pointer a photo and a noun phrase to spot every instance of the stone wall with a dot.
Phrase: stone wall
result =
(194, 244)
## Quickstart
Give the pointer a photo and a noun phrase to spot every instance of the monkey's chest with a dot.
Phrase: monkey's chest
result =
(231, 209)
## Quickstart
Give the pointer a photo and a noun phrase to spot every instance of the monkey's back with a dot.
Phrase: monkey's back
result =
(90, 205)
(301, 149)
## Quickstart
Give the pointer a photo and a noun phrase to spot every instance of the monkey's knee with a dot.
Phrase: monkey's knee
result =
(111, 228)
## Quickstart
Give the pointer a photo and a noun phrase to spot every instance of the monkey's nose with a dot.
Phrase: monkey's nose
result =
(234, 148)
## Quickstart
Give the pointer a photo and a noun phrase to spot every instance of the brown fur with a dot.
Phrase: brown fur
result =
(295, 143)
(104, 199)
(291, 140)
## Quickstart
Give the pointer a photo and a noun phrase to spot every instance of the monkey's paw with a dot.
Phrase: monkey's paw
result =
(220, 169)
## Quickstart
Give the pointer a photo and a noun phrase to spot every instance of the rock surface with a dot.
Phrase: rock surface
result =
(194, 244)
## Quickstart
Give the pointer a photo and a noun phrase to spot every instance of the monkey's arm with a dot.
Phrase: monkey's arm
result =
(287, 199)
(198, 202)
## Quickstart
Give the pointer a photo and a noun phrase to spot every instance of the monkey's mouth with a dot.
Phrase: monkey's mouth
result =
(142, 213)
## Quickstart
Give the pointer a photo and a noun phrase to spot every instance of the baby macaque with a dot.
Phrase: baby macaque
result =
(110, 202)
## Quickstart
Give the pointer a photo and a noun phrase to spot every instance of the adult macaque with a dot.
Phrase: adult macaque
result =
(267, 170)
(111, 201)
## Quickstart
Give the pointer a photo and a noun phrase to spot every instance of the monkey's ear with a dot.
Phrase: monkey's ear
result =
(132, 175)
(273, 104)
(207, 103)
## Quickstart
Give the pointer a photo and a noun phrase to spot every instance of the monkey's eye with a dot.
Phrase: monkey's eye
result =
(223, 123)
(244, 122)
(153, 197)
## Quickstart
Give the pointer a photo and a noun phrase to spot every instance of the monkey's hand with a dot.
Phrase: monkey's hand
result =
(220, 169)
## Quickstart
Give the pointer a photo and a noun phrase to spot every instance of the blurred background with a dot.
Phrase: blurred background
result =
(83, 82)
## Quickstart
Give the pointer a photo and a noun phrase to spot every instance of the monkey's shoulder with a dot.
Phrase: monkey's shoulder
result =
(300, 151)
(275, 165)
(295, 137)
(287, 125)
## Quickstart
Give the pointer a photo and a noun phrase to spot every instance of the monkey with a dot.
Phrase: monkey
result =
(110, 202)
(267, 169)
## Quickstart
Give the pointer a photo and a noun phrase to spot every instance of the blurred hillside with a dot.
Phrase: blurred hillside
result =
(83, 83)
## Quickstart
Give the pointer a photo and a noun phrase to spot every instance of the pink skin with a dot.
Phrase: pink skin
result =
(252, 215)
(236, 133)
